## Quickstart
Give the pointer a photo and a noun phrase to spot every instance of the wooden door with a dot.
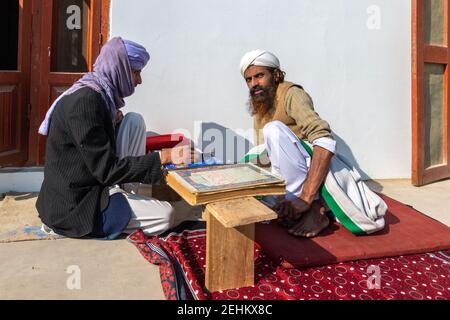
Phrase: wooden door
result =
(15, 23)
(430, 75)
(67, 43)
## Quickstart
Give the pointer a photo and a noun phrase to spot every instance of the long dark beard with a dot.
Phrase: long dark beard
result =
(261, 105)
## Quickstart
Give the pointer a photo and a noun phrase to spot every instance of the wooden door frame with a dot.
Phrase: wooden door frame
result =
(21, 76)
(421, 54)
(40, 66)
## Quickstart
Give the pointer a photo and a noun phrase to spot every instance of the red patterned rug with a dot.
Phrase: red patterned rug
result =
(407, 232)
(181, 258)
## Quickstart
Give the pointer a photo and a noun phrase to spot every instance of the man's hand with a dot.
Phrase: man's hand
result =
(119, 117)
(179, 155)
(290, 210)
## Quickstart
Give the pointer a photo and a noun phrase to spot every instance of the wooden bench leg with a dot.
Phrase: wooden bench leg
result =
(229, 255)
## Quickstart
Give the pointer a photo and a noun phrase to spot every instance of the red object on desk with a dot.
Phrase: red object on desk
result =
(165, 141)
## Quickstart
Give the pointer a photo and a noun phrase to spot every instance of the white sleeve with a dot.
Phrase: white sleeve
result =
(326, 143)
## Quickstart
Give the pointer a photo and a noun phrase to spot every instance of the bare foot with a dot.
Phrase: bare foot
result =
(310, 224)
(291, 210)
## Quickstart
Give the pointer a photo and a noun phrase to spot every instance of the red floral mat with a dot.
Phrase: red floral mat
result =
(407, 231)
(181, 257)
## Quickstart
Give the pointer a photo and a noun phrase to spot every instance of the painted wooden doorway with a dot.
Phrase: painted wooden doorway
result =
(431, 94)
(56, 42)
(68, 38)
(15, 23)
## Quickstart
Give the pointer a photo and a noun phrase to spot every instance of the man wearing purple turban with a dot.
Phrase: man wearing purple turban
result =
(88, 156)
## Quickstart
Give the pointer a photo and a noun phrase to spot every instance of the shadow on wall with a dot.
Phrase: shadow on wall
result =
(345, 152)
(230, 147)
(225, 144)
(152, 134)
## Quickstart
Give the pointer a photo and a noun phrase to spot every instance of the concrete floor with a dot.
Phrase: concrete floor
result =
(432, 200)
(108, 270)
(116, 270)
(41, 269)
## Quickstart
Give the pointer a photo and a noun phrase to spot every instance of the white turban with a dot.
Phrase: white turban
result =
(259, 58)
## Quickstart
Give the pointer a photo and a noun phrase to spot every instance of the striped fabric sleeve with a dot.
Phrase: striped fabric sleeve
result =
(87, 129)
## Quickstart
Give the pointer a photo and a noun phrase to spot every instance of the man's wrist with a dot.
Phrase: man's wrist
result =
(164, 156)
(308, 199)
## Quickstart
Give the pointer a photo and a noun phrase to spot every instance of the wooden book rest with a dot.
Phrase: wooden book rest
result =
(230, 235)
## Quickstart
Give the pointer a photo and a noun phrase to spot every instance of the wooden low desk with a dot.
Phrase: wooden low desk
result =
(230, 234)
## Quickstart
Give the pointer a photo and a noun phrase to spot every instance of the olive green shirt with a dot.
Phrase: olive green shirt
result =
(300, 107)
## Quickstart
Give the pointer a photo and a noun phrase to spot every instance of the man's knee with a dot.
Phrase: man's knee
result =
(134, 120)
(168, 217)
(274, 130)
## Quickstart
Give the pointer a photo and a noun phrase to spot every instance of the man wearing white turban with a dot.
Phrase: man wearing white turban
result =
(284, 120)
(280, 109)
(259, 58)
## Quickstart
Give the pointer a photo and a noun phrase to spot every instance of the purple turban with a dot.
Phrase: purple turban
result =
(137, 55)
(112, 76)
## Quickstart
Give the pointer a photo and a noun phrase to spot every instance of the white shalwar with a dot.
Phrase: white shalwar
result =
(355, 206)
(151, 215)
(289, 158)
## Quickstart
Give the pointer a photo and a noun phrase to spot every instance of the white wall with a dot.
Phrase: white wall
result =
(359, 78)
(21, 179)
